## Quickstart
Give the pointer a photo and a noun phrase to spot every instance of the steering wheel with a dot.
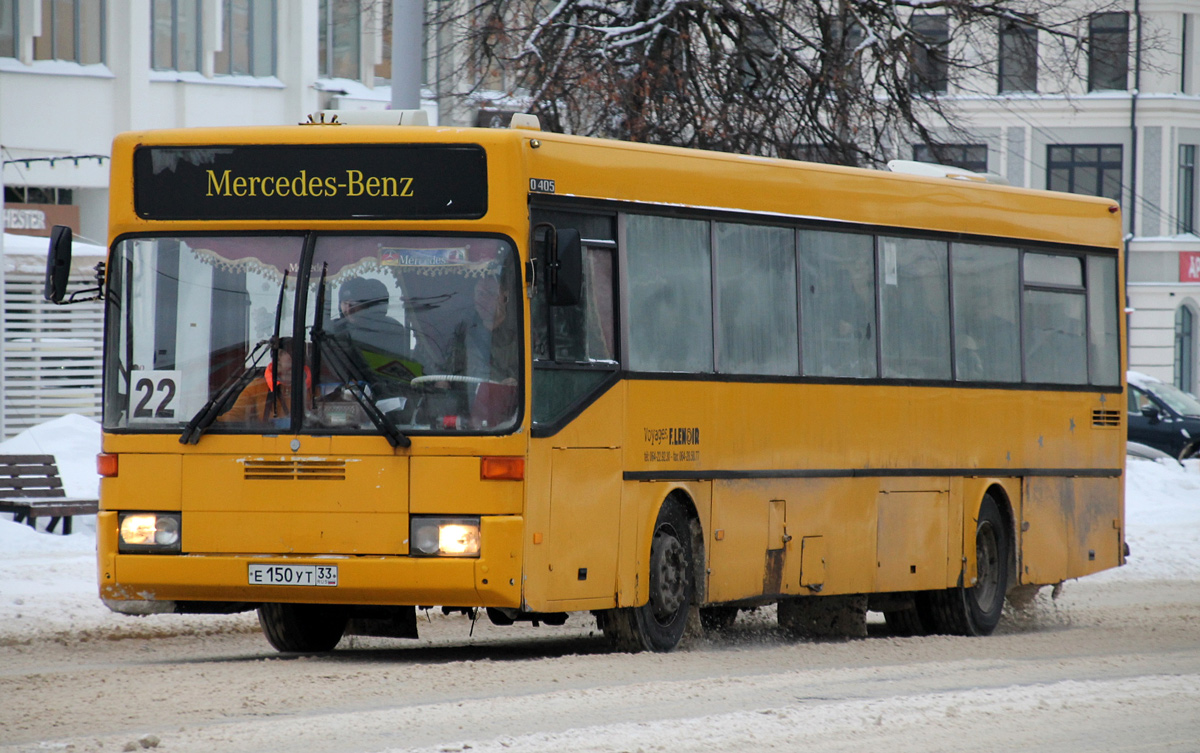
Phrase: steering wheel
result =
(459, 378)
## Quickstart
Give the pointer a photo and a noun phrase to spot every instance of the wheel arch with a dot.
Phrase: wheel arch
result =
(687, 500)
(699, 569)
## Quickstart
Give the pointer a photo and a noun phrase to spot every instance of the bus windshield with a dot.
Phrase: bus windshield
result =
(397, 334)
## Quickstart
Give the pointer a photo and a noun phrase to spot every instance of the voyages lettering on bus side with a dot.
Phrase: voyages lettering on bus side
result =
(355, 183)
(672, 436)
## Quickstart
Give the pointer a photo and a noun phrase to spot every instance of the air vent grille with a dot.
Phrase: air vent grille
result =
(295, 470)
(1106, 418)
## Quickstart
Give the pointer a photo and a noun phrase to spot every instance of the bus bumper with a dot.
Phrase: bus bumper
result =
(144, 584)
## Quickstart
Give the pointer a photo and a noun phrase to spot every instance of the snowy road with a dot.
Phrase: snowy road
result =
(1111, 665)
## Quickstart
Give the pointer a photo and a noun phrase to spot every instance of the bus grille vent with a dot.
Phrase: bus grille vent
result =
(1106, 418)
(295, 470)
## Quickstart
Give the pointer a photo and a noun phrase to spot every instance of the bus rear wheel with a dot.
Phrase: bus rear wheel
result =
(302, 628)
(658, 625)
(976, 610)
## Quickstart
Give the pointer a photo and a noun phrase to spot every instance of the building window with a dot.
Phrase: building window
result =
(1185, 55)
(973, 157)
(1091, 169)
(8, 28)
(1018, 57)
(249, 38)
(1186, 210)
(340, 39)
(175, 35)
(71, 30)
(1108, 51)
(1185, 349)
(37, 195)
(930, 72)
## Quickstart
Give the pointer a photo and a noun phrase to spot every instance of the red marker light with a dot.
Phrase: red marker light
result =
(106, 465)
(502, 468)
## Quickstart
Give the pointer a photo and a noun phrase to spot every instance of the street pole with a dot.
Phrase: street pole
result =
(408, 28)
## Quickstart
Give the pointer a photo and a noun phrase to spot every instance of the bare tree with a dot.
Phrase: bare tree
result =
(840, 81)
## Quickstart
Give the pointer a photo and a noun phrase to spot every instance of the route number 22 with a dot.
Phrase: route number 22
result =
(154, 395)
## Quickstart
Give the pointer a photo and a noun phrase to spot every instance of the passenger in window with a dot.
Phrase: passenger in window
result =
(970, 363)
(267, 399)
(488, 344)
(487, 348)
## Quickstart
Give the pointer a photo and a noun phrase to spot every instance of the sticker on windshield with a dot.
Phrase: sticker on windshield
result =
(421, 257)
(155, 395)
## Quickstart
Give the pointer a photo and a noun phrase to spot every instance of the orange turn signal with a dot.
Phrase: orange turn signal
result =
(502, 468)
(106, 465)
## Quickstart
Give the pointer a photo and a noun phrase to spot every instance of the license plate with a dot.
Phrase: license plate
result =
(293, 575)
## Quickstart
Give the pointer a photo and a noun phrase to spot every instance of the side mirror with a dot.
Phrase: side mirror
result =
(1152, 413)
(58, 263)
(566, 268)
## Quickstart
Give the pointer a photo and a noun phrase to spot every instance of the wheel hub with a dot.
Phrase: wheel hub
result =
(987, 568)
(668, 578)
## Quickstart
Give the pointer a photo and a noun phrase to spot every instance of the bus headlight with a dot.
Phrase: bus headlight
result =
(444, 537)
(148, 532)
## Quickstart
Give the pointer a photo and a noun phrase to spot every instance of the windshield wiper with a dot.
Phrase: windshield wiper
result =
(343, 368)
(217, 404)
(345, 371)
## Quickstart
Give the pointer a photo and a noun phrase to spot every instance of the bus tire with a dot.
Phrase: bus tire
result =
(302, 628)
(658, 625)
(977, 610)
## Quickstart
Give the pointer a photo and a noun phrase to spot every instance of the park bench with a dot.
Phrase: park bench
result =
(30, 488)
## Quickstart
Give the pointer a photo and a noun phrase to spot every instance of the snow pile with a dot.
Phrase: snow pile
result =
(74, 441)
(1162, 521)
(48, 582)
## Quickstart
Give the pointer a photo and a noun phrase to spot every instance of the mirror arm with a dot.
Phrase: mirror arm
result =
(93, 294)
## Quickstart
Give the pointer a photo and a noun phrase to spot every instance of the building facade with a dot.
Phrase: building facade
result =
(74, 73)
(1119, 119)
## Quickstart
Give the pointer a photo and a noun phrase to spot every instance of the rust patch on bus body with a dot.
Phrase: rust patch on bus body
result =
(773, 575)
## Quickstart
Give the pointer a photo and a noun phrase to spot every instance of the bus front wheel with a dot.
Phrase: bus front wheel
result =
(658, 625)
(302, 628)
(976, 610)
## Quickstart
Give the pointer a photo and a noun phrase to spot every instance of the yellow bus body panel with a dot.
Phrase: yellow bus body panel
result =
(492, 579)
(886, 479)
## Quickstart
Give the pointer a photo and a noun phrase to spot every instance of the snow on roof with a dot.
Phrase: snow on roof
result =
(39, 246)
(1138, 379)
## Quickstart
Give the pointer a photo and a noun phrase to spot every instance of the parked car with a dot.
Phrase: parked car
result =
(1163, 416)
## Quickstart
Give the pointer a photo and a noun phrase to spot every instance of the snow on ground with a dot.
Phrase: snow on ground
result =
(48, 582)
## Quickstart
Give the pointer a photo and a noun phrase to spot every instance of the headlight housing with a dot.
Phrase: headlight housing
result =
(149, 532)
(431, 536)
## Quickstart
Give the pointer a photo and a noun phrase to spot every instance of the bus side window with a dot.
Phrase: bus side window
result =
(574, 347)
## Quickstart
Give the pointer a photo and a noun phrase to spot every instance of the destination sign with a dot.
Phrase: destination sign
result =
(290, 182)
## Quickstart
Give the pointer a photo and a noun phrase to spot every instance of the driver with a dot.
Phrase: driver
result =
(380, 346)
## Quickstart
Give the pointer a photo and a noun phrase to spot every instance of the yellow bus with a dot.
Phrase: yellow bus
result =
(356, 370)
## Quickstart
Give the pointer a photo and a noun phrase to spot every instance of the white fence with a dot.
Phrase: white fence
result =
(52, 354)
